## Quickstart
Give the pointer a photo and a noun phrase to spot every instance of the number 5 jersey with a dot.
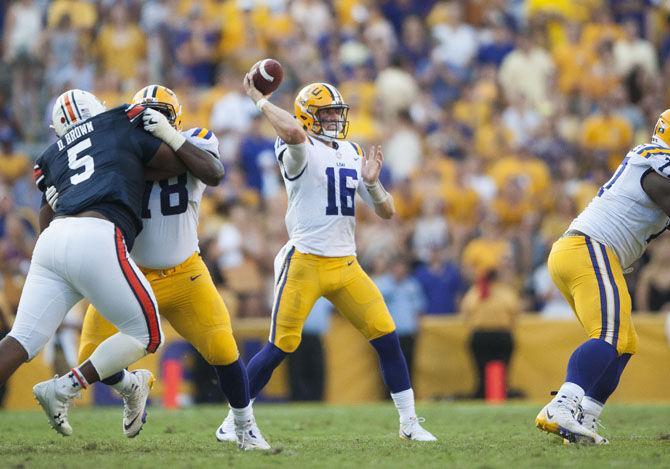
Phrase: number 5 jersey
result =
(170, 210)
(622, 216)
(320, 218)
(107, 153)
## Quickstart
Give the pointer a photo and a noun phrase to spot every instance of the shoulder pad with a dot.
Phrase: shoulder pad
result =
(358, 149)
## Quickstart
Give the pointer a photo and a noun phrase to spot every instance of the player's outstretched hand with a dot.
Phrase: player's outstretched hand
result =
(250, 89)
(372, 164)
(160, 127)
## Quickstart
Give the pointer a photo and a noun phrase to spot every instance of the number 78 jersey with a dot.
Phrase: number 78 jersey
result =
(320, 217)
(170, 210)
(622, 215)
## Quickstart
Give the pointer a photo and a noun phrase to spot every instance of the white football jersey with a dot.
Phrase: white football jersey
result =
(320, 218)
(170, 213)
(622, 215)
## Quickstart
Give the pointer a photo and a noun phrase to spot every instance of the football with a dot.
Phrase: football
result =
(267, 75)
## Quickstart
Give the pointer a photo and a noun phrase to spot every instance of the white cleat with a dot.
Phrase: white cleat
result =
(135, 402)
(249, 437)
(55, 405)
(226, 431)
(591, 422)
(411, 429)
(558, 418)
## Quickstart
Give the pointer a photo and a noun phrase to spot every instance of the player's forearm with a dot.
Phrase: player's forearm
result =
(285, 125)
(385, 209)
(381, 199)
(201, 164)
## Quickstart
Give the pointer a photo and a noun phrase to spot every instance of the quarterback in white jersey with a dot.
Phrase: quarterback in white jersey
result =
(587, 264)
(167, 252)
(311, 229)
(322, 173)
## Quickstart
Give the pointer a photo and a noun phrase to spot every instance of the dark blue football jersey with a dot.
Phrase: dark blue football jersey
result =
(99, 165)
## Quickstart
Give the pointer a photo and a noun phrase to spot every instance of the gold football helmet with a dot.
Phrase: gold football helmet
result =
(662, 130)
(162, 99)
(321, 111)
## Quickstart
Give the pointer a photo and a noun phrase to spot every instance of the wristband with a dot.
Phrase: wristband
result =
(377, 192)
(260, 103)
(175, 140)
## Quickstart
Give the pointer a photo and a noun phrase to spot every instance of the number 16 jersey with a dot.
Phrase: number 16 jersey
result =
(320, 218)
(622, 216)
(170, 211)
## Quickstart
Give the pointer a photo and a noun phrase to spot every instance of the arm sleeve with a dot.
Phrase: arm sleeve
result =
(292, 158)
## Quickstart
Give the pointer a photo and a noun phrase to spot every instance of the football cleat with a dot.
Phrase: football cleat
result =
(411, 429)
(558, 418)
(55, 405)
(589, 421)
(249, 437)
(226, 431)
(135, 402)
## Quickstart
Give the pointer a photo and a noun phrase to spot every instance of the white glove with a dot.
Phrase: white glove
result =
(160, 127)
(52, 197)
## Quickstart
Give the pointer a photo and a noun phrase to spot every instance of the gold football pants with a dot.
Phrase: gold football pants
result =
(304, 278)
(188, 299)
(591, 279)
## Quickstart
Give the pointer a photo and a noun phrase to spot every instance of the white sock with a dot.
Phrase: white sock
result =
(116, 353)
(243, 415)
(125, 384)
(404, 402)
(71, 383)
(592, 407)
(570, 394)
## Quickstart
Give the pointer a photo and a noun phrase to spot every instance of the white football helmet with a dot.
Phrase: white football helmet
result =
(72, 107)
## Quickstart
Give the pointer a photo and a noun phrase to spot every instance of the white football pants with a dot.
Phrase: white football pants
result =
(77, 258)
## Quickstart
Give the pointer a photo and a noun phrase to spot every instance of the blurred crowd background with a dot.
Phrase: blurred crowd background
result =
(499, 121)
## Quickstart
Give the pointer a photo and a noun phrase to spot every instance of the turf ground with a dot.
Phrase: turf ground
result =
(305, 436)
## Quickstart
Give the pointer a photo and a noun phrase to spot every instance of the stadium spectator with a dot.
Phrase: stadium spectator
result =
(406, 302)
(13, 164)
(490, 309)
(22, 30)
(528, 71)
(121, 44)
(632, 51)
(257, 160)
(442, 283)
(653, 284)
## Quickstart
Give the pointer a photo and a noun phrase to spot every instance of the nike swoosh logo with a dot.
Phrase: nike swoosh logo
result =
(349, 263)
(195, 276)
(549, 415)
(407, 435)
(126, 427)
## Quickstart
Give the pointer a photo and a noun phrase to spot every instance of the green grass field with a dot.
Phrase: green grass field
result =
(305, 436)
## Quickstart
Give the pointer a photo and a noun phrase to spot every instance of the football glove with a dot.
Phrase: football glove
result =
(160, 127)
